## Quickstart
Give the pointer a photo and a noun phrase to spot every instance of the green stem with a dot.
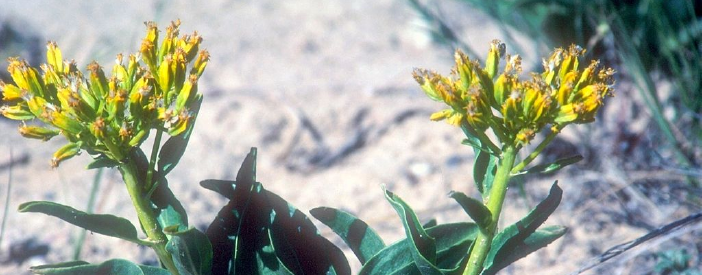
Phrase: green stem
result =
(536, 152)
(152, 162)
(476, 258)
(146, 215)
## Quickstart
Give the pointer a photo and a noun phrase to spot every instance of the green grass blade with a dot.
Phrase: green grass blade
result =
(7, 198)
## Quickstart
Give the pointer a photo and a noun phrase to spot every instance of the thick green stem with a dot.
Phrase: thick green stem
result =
(494, 202)
(146, 215)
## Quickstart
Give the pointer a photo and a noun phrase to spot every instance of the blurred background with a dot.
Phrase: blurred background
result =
(324, 90)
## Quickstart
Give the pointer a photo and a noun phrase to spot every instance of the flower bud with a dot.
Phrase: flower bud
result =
(98, 128)
(187, 93)
(503, 87)
(455, 119)
(148, 47)
(566, 88)
(191, 45)
(567, 113)
(165, 76)
(98, 82)
(587, 77)
(169, 42)
(26, 78)
(37, 132)
(441, 115)
(116, 104)
(36, 105)
(426, 80)
(181, 123)
(64, 122)
(10, 92)
(497, 50)
(67, 151)
(464, 68)
(570, 60)
(17, 112)
(54, 58)
(475, 116)
(179, 64)
(120, 72)
(200, 63)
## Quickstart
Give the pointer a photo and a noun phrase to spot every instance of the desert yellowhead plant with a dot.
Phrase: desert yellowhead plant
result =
(481, 99)
(258, 232)
(109, 117)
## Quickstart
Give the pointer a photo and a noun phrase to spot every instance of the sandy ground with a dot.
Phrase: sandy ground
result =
(346, 67)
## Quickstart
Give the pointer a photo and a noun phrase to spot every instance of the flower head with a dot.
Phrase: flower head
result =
(109, 114)
(482, 98)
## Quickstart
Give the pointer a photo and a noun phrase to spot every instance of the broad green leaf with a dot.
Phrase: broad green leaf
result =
(173, 149)
(452, 244)
(111, 267)
(99, 223)
(363, 240)
(513, 237)
(554, 166)
(484, 171)
(422, 246)
(485, 165)
(168, 208)
(192, 252)
(475, 209)
(537, 240)
(258, 232)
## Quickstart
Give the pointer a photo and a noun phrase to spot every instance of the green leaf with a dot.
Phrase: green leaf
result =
(475, 209)
(102, 161)
(192, 252)
(485, 165)
(168, 208)
(363, 240)
(111, 267)
(258, 232)
(422, 246)
(555, 166)
(484, 171)
(452, 244)
(513, 238)
(172, 151)
(537, 240)
(99, 223)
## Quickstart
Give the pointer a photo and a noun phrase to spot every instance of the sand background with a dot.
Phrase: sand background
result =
(344, 66)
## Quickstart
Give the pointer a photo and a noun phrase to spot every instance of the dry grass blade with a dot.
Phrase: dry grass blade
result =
(621, 248)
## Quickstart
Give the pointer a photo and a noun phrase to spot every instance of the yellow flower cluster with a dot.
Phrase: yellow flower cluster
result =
(109, 115)
(516, 109)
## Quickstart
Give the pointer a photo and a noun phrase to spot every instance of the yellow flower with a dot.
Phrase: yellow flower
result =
(517, 109)
(109, 114)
